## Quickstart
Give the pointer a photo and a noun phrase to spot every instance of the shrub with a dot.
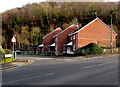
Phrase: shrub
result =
(91, 48)
(2, 53)
(8, 51)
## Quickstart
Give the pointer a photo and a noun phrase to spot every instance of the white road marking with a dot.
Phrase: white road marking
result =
(49, 74)
(29, 61)
(96, 65)
(92, 58)
(43, 58)
(85, 59)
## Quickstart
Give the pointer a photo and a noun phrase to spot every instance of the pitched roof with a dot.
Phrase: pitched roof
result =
(53, 31)
(70, 44)
(40, 45)
(72, 33)
(52, 45)
(73, 25)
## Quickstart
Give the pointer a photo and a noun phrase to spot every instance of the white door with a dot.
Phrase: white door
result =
(68, 49)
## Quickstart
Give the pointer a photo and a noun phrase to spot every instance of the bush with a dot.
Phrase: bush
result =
(8, 51)
(91, 48)
(2, 53)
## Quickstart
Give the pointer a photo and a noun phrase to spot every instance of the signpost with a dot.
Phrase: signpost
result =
(14, 40)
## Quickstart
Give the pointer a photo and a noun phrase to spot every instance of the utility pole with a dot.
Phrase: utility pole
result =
(111, 42)
(111, 35)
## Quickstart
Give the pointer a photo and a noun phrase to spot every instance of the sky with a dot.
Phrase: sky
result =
(10, 4)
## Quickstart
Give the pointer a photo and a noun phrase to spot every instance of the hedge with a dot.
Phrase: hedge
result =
(91, 48)
(8, 51)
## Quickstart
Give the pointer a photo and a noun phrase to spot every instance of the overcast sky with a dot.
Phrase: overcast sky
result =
(9, 4)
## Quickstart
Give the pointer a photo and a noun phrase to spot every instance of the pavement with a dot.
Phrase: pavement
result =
(23, 62)
(15, 64)
(102, 70)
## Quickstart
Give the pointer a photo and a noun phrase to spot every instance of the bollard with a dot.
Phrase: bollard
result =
(14, 54)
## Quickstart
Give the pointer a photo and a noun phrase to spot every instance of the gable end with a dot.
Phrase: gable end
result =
(92, 22)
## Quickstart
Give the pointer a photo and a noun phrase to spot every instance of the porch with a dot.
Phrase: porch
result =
(40, 48)
(68, 48)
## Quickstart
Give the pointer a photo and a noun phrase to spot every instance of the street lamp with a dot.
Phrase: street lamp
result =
(111, 44)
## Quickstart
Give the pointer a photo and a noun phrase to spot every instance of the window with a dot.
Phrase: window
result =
(74, 37)
(70, 38)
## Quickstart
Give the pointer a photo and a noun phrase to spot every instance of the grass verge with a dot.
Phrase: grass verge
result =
(7, 60)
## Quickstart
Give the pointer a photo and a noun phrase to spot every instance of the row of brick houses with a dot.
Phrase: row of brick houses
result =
(74, 37)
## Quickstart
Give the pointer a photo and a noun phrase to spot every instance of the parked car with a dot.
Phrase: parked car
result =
(18, 52)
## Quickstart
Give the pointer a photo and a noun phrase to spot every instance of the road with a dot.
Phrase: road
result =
(75, 71)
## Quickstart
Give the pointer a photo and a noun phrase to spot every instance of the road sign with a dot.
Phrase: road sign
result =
(13, 39)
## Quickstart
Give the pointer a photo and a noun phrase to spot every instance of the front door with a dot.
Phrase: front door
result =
(68, 49)
(52, 48)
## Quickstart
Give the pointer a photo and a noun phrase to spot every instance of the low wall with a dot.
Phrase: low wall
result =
(8, 55)
(114, 50)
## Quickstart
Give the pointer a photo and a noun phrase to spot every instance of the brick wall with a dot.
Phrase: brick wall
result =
(96, 32)
(63, 38)
(48, 39)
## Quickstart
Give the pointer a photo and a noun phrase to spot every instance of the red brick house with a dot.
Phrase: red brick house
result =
(94, 32)
(48, 39)
(73, 37)
(62, 38)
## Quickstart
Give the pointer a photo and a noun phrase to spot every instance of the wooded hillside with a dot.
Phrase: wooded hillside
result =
(31, 22)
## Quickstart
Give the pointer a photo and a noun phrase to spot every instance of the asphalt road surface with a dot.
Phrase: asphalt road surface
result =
(75, 71)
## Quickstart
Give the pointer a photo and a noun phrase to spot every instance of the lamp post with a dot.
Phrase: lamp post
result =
(111, 44)
(111, 35)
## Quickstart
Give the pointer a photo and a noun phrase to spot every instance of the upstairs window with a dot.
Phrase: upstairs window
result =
(74, 37)
(70, 38)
